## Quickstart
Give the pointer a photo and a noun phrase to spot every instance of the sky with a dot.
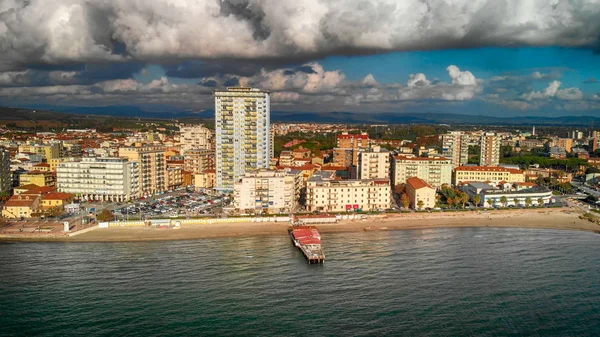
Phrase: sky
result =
(480, 57)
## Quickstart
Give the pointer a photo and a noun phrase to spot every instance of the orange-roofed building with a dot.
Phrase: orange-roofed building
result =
(420, 193)
(56, 199)
(24, 188)
(42, 167)
(21, 206)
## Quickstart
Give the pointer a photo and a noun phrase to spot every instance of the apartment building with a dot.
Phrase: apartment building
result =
(195, 137)
(565, 143)
(152, 167)
(420, 193)
(102, 178)
(39, 178)
(46, 151)
(374, 164)
(6, 179)
(490, 150)
(491, 174)
(206, 179)
(243, 132)
(268, 191)
(348, 147)
(455, 146)
(198, 160)
(435, 171)
(326, 194)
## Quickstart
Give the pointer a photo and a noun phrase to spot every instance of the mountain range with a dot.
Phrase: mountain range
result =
(168, 112)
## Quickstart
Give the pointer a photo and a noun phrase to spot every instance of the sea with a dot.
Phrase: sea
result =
(434, 282)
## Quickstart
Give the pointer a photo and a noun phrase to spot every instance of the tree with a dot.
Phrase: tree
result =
(528, 201)
(405, 200)
(450, 201)
(490, 202)
(105, 215)
(420, 204)
(540, 201)
(476, 199)
(464, 198)
(400, 188)
(516, 201)
(503, 200)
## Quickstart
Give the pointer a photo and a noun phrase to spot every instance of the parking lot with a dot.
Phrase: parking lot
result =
(173, 206)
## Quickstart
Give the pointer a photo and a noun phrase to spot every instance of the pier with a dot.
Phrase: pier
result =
(308, 240)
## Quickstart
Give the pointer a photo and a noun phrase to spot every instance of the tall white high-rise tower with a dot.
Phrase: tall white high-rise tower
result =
(243, 132)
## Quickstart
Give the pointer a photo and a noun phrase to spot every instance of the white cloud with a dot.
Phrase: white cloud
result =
(464, 86)
(317, 81)
(553, 91)
(369, 81)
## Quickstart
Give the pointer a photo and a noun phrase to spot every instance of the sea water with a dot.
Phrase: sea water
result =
(434, 282)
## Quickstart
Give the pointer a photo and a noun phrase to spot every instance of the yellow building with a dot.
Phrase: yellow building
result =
(22, 205)
(46, 151)
(152, 167)
(206, 179)
(418, 190)
(490, 174)
(38, 178)
(56, 199)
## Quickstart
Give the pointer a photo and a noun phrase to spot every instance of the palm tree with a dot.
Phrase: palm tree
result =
(503, 200)
(540, 201)
(516, 201)
(476, 199)
(464, 198)
(490, 202)
(420, 204)
(528, 201)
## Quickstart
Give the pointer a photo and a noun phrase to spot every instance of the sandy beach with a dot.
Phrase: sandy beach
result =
(565, 219)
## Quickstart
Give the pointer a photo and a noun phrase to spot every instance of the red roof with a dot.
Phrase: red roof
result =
(20, 201)
(58, 196)
(417, 183)
(310, 241)
(40, 190)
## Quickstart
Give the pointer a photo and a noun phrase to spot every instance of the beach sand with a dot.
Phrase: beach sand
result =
(566, 219)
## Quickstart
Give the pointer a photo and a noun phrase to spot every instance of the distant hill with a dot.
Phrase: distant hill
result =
(70, 114)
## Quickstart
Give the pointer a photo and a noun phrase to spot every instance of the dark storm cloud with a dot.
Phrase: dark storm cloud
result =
(156, 31)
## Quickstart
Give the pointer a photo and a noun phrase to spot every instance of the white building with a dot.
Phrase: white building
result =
(325, 194)
(271, 191)
(194, 137)
(6, 179)
(243, 132)
(435, 171)
(490, 150)
(492, 197)
(374, 164)
(455, 146)
(103, 179)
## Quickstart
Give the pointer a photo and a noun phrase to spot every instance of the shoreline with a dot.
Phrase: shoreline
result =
(554, 219)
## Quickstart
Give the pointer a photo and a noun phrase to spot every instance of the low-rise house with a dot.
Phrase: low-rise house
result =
(21, 206)
(420, 193)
